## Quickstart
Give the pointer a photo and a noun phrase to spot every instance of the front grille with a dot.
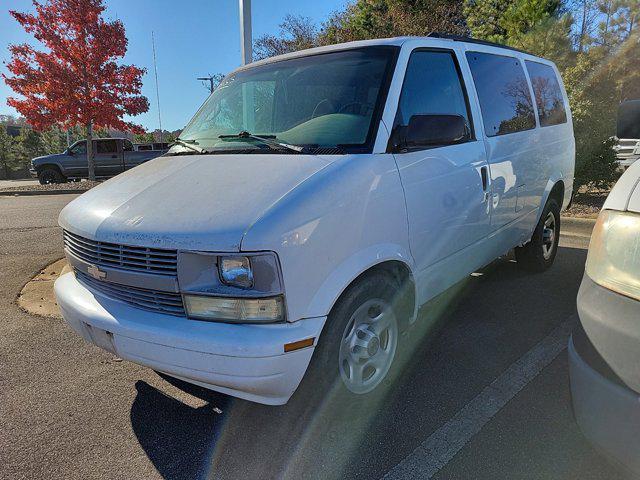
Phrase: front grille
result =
(124, 257)
(154, 300)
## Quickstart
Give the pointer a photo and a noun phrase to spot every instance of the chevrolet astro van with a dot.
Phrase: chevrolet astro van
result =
(315, 201)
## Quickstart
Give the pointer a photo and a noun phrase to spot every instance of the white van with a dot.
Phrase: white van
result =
(314, 202)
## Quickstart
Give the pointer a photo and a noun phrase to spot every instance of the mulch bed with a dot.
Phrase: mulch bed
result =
(587, 204)
(77, 186)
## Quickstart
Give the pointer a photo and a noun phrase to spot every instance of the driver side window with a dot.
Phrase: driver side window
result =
(79, 148)
(432, 86)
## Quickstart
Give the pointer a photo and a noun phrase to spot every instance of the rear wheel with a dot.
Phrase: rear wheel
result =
(358, 347)
(49, 175)
(540, 252)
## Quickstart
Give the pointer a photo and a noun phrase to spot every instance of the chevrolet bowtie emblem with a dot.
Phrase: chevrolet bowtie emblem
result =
(96, 273)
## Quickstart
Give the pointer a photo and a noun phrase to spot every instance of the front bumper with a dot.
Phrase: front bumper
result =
(603, 363)
(246, 361)
(610, 321)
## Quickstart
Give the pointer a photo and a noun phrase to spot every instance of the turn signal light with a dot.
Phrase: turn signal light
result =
(307, 342)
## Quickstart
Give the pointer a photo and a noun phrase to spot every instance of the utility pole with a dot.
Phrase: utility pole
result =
(246, 40)
(246, 48)
(210, 80)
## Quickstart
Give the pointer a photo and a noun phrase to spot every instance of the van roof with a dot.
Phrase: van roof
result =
(395, 41)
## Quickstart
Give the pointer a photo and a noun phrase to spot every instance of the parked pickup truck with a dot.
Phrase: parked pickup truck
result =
(112, 156)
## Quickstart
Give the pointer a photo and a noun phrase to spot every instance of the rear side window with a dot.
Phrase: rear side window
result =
(432, 85)
(107, 146)
(503, 92)
(546, 89)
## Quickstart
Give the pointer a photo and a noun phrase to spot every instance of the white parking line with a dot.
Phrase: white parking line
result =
(443, 444)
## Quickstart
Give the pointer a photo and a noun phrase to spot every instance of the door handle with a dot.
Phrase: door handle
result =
(484, 173)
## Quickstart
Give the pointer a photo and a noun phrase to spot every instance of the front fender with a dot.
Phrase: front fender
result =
(40, 162)
(351, 268)
(340, 221)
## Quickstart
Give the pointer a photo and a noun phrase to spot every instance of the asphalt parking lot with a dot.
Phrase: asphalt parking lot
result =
(484, 393)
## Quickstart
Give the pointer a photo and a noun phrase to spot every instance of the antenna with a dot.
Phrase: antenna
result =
(155, 69)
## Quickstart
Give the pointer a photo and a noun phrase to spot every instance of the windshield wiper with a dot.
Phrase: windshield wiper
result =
(268, 140)
(187, 144)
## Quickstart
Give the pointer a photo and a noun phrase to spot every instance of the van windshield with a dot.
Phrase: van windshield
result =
(325, 101)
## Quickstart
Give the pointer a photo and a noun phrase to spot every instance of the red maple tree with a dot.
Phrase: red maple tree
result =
(75, 80)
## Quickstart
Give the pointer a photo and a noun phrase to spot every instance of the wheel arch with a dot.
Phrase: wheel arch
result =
(41, 167)
(555, 189)
(397, 265)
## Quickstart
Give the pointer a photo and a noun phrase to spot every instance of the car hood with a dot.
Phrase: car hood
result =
(625, 194)
(47, 158)
(200, 202)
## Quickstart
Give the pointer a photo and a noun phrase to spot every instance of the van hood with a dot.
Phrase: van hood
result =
(199, 202)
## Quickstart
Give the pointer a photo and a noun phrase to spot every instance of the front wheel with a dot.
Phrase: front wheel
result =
(50, 175)
(358, 347)
(540, 252)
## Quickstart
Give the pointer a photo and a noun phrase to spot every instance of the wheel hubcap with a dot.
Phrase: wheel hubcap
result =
(368, 346)
(548, 236)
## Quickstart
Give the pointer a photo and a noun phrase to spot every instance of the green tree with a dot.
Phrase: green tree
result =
(53, 140)
(596, 83)
(505, 21)
(8, 152)
(28, 146)
(366, 19)
(550, 38)
(296, 33)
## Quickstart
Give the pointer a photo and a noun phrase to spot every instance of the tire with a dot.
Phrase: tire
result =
(358, 347)
(539, 254)
(50, 175)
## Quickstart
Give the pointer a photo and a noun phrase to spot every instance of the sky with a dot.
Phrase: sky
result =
(194, 38)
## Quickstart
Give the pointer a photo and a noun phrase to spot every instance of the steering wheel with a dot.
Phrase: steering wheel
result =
(325, 102)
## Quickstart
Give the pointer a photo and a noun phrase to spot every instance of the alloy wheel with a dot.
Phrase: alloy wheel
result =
(549, 236)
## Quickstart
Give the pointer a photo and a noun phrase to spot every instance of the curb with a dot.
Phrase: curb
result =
(576, 226)
(37, 297)
(27, 193)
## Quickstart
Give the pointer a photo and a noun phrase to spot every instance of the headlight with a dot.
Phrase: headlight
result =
(232, 287)
(236, 271)
(614, 252)
(238, 310)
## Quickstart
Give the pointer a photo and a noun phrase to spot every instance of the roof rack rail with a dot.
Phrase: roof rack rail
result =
(462, 38)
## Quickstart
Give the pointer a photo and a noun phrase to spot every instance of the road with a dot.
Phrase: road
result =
(69, 410)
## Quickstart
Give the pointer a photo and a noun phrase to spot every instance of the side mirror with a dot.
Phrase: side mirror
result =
(69, 152)
(426, 131)
(629, 120)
